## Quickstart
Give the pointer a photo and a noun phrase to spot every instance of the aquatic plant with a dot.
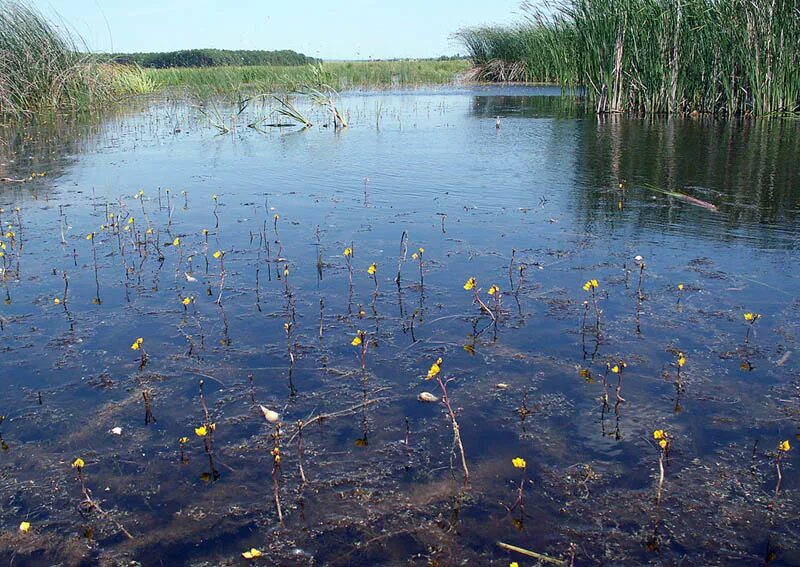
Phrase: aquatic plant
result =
(751, 319)
(783, 448)
(591, 286)
(664, 443)
(45, 67)
(723, 57)
(435, 372)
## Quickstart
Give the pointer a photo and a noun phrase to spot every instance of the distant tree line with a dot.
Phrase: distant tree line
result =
(213, 58)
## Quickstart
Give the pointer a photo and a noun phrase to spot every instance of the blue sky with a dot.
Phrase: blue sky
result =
(349, 29)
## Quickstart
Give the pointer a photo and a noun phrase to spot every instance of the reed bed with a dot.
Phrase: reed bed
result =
(728, 57)
(344, 75)
(42, 67)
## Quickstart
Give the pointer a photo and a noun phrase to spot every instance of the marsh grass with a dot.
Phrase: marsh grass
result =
(42, 67)
(677, 56)
(343, 75)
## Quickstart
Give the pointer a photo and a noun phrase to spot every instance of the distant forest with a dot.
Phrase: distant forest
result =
(213, 58)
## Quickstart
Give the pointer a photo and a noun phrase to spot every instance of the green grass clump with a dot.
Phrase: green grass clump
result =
(733, 57)
(42, 68)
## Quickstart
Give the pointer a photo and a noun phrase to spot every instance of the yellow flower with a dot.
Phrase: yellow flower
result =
(784, 446)
(615, 369)
(680, 287)
(681, 360)
(470, 284)
(89, 236)
(513, 564)
(286, 270)
(590, 285)
(347, 252)
(663, 443)
(149, 231)
(78, 464)
(201, 431)
(277, 216)
(435, 369)
(111, 216)
(24, 527)
(356, 340)
(186, 300)
(252, 554)
(205, 232)
(214, 196)
(130, 220)
(217, 254)
(421, 251)
(372, 269)
(176, 242)
(183, 440)
(493, 289)
(519, 463)
(137, 344)
(414, 256)
(659, 434)
(56, 301)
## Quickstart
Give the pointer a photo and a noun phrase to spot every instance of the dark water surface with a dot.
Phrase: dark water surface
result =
(533, 206)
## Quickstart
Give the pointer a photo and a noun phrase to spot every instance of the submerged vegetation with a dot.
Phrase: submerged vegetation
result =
(730, 57)
(42, 68)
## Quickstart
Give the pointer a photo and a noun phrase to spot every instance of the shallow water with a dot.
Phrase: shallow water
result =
(534, 206)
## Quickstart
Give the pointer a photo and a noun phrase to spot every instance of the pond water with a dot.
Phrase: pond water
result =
(538, 207)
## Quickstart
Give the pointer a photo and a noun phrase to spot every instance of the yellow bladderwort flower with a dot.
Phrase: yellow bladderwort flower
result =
(214, 196)
(421, 251)
(176, 242)
(90, 236)
(658, 434)
(751, 317)
(519, 463)
(681, 360)
(356, 340)
(205, 232)
(201, 431)
(24, 527)
(186, 300)
(372, 269)
(217, 254)
(286, 270)
(680, 287)
(663, 443)
(137, 344)
(615, 369)
(56, 301)
(149, 231)
(276, 216)
(784, 446)
(435, 369)
(493, 289)
(111, 216)
(590, 285)
(183, 440)
(414, 256)
(347, 252)
(470, 284)
(252, 554)
(513, 564)
(78, 463)
(131, 220)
